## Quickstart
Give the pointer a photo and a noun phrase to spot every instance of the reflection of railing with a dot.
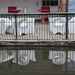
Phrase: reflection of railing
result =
(55, 60)
(24, 56)
(55, 26)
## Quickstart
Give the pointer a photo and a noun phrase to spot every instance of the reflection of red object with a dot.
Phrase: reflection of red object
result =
(13, 9)
(45, 9)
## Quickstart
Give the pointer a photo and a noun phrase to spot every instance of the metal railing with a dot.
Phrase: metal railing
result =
(51, 26)
(51, 61)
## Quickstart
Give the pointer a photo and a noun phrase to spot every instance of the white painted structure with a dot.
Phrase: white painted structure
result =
(71, 25)
(57, 24)
(6, 25)
(25, 25)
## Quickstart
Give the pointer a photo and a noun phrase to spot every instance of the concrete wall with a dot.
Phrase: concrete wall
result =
(31, 5)
(5, 3)
(53, 8)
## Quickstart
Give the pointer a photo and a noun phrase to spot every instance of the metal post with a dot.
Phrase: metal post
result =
(66, 32)
(15, 25)
(66, 19)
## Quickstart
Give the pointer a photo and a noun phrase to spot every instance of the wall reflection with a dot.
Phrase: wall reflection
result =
(54, 59)
(21, 57)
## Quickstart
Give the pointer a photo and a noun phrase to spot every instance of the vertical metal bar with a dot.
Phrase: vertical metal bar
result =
(15, 25)
(17, 68)
(66, 60)
(67, 19)
(67, 26)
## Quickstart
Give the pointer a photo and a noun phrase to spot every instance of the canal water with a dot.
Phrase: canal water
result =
(42, 61)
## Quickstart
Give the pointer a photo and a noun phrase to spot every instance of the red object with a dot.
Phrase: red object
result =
(43, 21)
(13, 9)
(60, 9)
(45, 9)
(46, 18)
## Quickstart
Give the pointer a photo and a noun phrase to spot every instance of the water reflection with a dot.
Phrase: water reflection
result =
(58, 57)
(22, 58)
(40, 59)
(61, 58)
(4, 56)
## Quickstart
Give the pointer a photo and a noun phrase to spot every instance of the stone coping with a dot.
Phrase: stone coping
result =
(39, 42)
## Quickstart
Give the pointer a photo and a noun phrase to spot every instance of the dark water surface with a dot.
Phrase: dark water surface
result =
(39, 60)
